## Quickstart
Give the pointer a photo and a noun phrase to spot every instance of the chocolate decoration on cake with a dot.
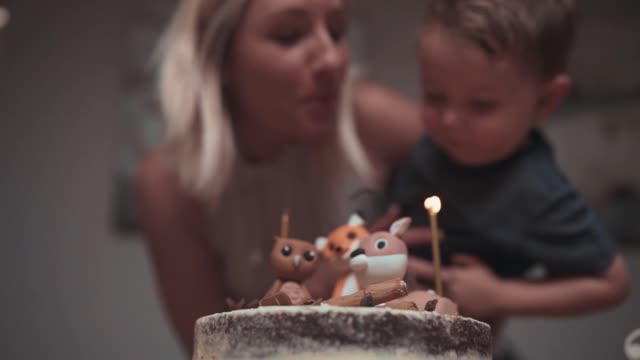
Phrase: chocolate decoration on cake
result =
(372, 295)
(431, 305)
(400, 305)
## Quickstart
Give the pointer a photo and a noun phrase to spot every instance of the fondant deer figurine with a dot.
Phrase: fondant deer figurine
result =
(382, 257)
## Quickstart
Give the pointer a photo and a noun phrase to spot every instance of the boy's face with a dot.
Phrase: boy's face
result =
(478, 109)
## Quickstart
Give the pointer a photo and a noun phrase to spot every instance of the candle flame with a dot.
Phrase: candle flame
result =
(433, 204)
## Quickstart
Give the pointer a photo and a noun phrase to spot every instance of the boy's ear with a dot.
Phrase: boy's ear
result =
(552, 95)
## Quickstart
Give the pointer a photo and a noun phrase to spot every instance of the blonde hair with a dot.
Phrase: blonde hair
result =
(199, 137)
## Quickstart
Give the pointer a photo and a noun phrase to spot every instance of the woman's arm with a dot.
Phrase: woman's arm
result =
(389, 127)
(388, 124)
(188, 277)
(570, 296)
(481, 294)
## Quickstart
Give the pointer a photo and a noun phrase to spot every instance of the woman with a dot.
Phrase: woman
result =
(260, 117)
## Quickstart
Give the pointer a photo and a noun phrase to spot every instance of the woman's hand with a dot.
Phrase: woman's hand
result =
(468, 282)
(471, 284)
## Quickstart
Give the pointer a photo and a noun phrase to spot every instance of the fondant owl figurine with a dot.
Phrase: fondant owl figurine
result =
(293, 262)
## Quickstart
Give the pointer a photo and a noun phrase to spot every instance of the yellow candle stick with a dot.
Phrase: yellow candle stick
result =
(433, 206)
(284, 226)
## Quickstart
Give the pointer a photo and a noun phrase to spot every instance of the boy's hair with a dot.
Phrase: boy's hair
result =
(538, 33)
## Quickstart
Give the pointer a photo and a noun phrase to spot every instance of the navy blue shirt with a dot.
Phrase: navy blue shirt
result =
(513, 214)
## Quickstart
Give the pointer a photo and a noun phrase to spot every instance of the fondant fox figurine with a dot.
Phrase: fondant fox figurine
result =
(338, 243)
(336, 249)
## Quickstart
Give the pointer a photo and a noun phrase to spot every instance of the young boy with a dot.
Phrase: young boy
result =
(492, 70)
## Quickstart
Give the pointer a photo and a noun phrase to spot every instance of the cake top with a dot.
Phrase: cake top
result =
(256, 313)
(378, 318)
(349, 332)
(377, 265)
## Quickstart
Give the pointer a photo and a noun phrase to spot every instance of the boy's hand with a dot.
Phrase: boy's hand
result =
(415, 236)
(473, 286)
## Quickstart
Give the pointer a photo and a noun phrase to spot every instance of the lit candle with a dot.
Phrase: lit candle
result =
(284, 225)
(433, 206)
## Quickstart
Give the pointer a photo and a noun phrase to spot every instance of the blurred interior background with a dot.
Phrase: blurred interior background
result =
(76, 112)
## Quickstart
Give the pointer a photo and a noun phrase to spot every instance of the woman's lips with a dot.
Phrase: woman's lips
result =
(324, 99)
(322, 102)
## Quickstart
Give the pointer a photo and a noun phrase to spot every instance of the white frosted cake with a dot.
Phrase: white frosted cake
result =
(322, 332)
(378, 319)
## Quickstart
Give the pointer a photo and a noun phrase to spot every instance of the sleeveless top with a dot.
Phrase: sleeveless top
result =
(248, 215)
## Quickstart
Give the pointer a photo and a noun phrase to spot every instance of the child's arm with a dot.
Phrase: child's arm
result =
(481, 294)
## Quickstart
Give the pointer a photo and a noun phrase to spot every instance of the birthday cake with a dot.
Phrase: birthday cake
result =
(372, 314)
(319, 332)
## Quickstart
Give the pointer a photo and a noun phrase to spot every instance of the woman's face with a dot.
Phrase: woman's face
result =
(286, 68)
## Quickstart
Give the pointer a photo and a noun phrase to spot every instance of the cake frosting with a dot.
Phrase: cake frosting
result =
(320, 332)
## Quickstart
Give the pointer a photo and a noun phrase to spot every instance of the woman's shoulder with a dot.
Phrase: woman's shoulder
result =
(154, 172)
(158, 184)
(388, 123)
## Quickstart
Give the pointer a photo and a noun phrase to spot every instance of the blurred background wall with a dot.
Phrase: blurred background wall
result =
(74, 288)
(71, 288)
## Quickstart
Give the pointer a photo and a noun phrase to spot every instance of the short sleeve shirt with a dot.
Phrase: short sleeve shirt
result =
(513, 214)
